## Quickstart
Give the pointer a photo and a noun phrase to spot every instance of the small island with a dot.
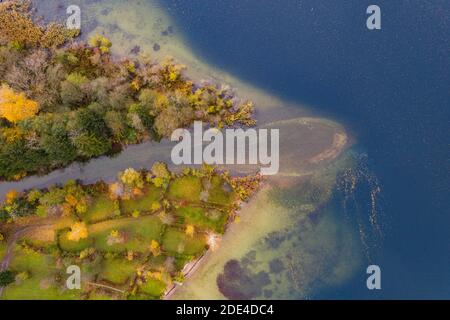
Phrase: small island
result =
(132, 239)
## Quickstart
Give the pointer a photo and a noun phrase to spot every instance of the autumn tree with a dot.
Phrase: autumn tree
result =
(33, 196)
(100, 42)
(161, 174)
(172, 118)
(17, 26)
(116, 124)
(190, 230)
(115, 190)
(78, 231)
(155, 248)
(11, 196)
(72, 90)
(131, 178)
(15, 107)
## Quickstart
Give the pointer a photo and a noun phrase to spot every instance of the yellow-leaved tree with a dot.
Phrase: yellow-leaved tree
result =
(11, 196)
(155, 248)
(15, 106)
(77, 232)
(190, 230)
(131, 178)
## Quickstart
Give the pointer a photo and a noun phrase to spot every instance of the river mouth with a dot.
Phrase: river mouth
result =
(286, 245)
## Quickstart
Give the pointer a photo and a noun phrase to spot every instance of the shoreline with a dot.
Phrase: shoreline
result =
(193, 266)
(270, 110)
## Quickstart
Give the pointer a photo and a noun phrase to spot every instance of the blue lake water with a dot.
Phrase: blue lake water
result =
(391, 87)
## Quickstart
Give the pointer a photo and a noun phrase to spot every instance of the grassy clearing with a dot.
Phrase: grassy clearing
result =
(42, 238)
(152, 194)
(30, 261)
(203, 218)
(101, 209)
(153, 287)
(89, 268)
(118, 271)
(40, 284)
(187, 188)
(176, 242)
(137, 234)
(220, 192)
(39, 288)
(156, 263)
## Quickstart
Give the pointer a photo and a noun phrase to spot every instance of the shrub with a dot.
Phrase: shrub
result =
(6, 278)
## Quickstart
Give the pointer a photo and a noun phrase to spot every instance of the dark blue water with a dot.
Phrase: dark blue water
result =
(391, 87)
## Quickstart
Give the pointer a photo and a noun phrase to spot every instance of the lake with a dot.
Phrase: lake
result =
(391, 87)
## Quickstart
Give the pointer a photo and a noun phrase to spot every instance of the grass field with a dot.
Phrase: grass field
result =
(153, 287)
(203, 218)
(177, 242)
(41, 284)
(39, 288)
(101, 209)
(186, 188)
(220, 192)
(151, 195)
(137, 233)
(118, 271)
(121, 243)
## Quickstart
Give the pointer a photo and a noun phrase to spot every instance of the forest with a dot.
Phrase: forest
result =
(64, 100)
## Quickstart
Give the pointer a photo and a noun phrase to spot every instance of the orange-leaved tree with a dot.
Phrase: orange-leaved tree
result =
(15, 107)
(11, 196)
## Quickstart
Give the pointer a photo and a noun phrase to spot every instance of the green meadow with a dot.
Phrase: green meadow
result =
(131, 239)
